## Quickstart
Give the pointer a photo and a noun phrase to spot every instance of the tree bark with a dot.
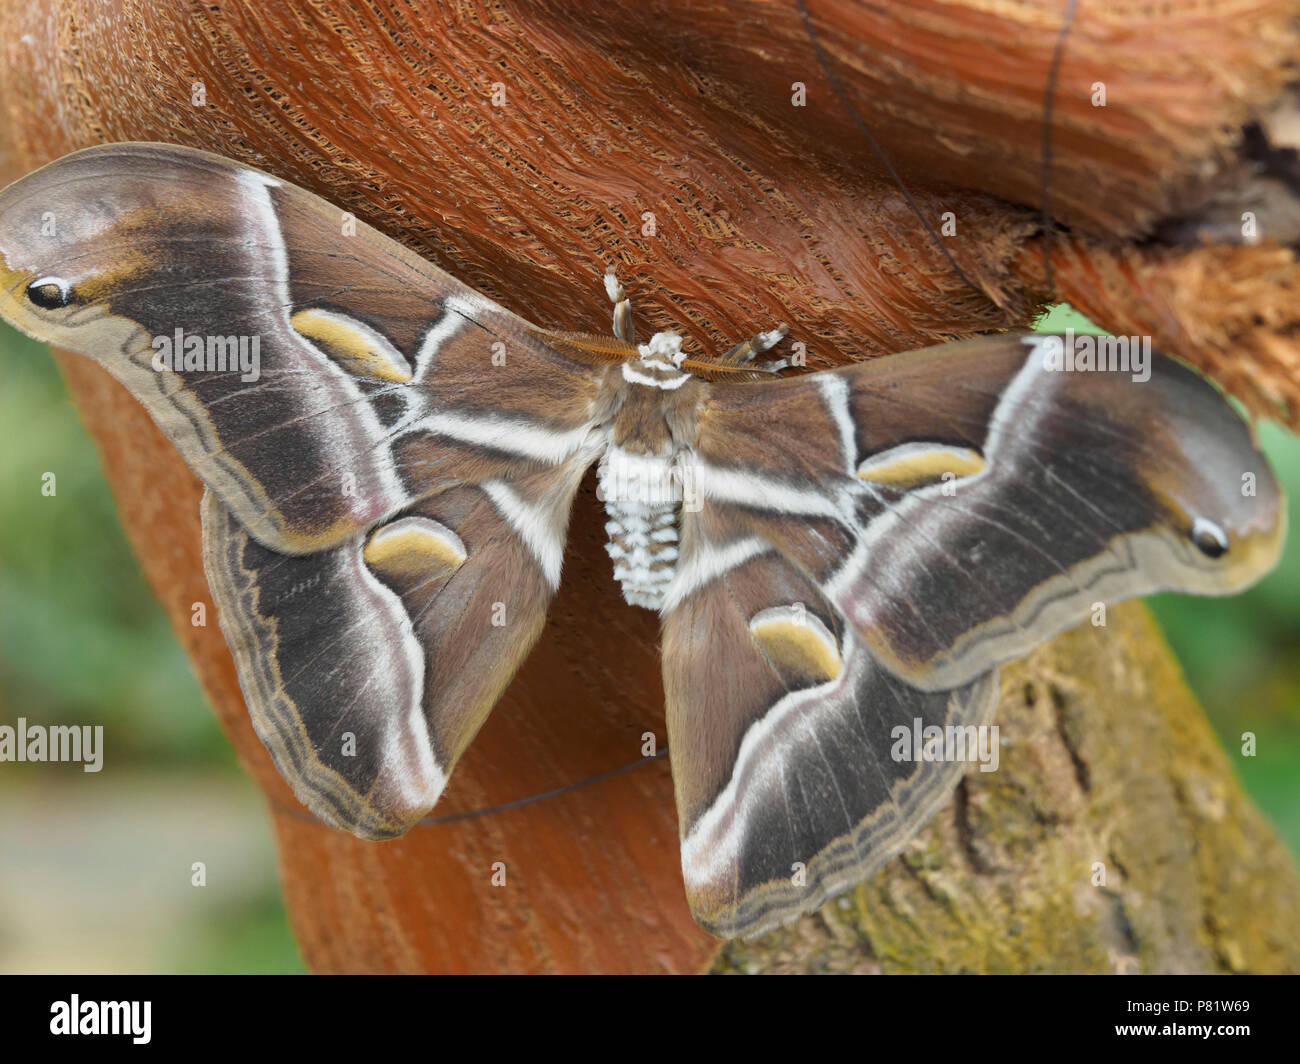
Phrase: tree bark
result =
(762, 211)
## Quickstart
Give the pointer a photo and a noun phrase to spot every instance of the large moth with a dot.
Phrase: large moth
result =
(833, 554)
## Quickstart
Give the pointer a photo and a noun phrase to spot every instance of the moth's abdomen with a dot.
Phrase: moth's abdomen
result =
(642, 495)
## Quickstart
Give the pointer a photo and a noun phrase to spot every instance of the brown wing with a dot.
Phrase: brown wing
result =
(369, 667)
(970, 501)
(868, 544)
(369, 378)
(390, 457)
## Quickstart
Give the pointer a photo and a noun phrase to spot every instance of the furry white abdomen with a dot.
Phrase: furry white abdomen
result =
(642, 495)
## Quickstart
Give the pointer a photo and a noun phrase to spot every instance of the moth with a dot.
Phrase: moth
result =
(833, 554)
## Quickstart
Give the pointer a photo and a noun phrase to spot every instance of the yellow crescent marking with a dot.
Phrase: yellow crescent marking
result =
(414, 546)
(797, 641)
(912, 465)
(359, 349)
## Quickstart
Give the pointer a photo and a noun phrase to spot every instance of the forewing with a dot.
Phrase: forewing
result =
(961, 505)
(379, 379)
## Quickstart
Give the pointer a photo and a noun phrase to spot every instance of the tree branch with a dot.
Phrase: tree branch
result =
(762, 212)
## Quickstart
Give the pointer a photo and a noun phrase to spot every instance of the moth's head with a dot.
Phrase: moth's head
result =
(73, 234)
(663, 347)
(1220, 498)
(1233, 527)
(41, 266)
(38, 280)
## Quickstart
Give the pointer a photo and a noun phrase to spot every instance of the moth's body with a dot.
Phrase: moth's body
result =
(645, 472)
(833, 555)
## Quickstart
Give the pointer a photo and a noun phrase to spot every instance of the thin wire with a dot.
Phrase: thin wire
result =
(1053, 75)
(875, 146)
(543, 795)
(474, 814)
(1049, 96)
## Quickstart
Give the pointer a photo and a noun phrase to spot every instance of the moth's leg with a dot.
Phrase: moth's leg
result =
(747, 350)
(623, 327)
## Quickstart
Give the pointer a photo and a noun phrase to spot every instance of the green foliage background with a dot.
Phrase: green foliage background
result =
(83, 641)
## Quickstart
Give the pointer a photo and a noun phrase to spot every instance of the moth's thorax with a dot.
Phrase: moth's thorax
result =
(659, 366)
(643, 472)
